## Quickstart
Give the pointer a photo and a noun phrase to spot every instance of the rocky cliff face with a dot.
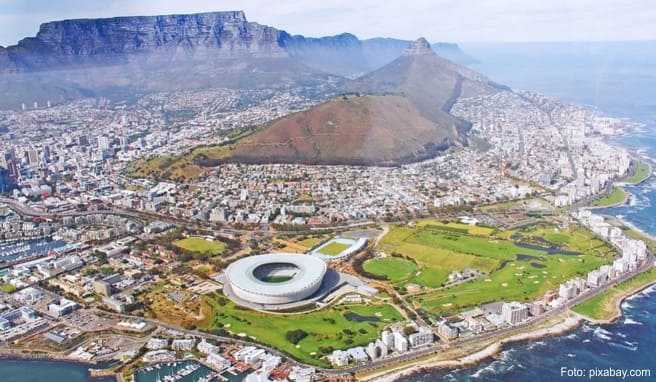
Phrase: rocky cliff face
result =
(215, 35)
(418, 47)
(124, 57)
(122, 39)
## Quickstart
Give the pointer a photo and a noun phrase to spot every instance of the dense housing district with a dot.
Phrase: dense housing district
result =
(299, 272)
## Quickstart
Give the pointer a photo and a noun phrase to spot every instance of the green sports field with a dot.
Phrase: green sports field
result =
(339, 327)
(394, 268)
(517, 265)
(333, 249)
(200, 245)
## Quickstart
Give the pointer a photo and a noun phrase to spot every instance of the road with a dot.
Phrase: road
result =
(26, 211)
(437, 347)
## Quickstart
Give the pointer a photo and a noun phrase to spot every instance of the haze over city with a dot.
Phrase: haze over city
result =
(437, 20)
(330, 191)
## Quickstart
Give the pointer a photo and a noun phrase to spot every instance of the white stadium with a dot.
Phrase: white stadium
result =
(276, 279)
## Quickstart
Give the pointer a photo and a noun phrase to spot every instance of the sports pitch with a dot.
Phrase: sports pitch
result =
(200, 245)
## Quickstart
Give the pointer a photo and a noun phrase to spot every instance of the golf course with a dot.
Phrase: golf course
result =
(308, 336)
(519, 264)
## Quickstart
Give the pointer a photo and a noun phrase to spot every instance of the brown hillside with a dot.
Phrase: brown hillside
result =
(367, 130)
(402, 117)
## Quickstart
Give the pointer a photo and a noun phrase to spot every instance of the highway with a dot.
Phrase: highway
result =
(385, 362)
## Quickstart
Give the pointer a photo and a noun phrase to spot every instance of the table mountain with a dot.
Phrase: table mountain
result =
(125, 57)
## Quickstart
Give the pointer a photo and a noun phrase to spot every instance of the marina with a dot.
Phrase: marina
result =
(184, 371)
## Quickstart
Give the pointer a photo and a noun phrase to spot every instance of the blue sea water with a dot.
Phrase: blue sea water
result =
(619, 79)
(626, 344)
(45, 371)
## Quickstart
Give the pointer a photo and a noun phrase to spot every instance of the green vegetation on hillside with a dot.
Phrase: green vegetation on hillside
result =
(604, 305)
(332, 328)
(616, 196)
(200, 245)
(179, 168)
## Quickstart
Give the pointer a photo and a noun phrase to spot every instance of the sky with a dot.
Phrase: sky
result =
(437, 20)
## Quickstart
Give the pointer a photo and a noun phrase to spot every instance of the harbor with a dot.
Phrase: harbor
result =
(185, 371)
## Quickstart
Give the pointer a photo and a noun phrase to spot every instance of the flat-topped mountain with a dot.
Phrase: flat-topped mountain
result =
(107, 41)
(400, 114)
(101, 42)
(125, 57)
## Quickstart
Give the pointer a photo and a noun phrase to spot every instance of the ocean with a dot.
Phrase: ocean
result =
(618, 79)
(626, 344)
(45, 371)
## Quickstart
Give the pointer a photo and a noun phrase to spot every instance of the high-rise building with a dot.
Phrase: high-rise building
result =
(104, 142)
(32, 157)
(46, 154)
(400, 342)
(11, 164)
(424, 336)
(6, 181)
(514, 312)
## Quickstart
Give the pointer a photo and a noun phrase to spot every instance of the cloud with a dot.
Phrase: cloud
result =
(438, 20)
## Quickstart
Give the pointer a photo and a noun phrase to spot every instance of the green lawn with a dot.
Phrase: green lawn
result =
(395, 269)
(333, 249)
(616, 196)
(604, 305)
(311, 241)
(517, 265)
(339, 327)
(642, 172)
(200, 245)
(277, 279)
(471, 229)
(7, 288)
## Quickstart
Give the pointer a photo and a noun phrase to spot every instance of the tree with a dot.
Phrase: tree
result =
(296, 336)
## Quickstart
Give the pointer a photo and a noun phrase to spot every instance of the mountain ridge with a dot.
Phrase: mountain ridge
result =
(397, 114)
(105, 41)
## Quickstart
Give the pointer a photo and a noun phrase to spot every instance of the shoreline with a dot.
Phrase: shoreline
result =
(623, 202)
(619, 312)
(634, 227)
(569, 323)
